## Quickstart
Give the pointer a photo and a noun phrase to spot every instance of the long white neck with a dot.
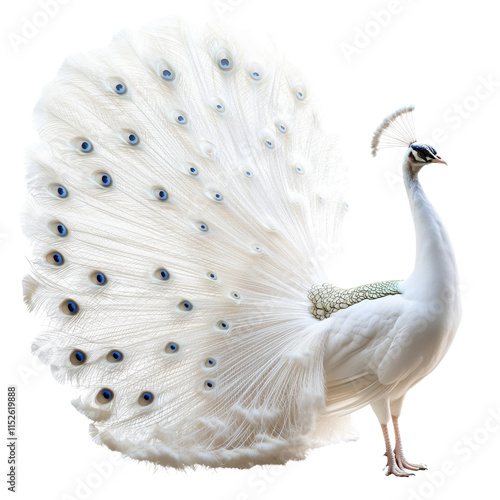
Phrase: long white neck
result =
(435, 272)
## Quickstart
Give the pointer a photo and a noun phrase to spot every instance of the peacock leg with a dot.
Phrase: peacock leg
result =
(392, 466)
(398, 450)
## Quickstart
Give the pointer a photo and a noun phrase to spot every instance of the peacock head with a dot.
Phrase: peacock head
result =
(420, 155)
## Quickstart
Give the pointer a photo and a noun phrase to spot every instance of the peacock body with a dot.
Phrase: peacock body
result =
(183, 194)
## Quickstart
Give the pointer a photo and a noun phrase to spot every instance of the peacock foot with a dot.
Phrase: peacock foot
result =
(402, 463)
(395, 468)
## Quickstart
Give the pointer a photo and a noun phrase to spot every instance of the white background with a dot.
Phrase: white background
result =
(433, 54)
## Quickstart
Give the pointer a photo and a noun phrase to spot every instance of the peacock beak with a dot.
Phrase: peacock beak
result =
(437, 159)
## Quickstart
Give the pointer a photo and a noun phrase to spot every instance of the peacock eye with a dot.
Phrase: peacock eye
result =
(55, 258)
(220, 107)
(167, 73)
(223, 325)
(59, 191)
(77, 357)
(172, 347)
(210, 363)
(162, 274)
(98, 278)
(192, 170)
(103, 178)
(120, 88)
(209, 384)
(256, 75)
(59, 229)
(185, 305)
(69, 307)
(146, 398)
(160, 194)
(114, 356)
(86, 146)
(132, 139)
(105, 396)
(212, 276)
(282, 128)
(202, 226)
(269, 143)
(235, 295)
(224, 61)
(299, 170)
(180, 117)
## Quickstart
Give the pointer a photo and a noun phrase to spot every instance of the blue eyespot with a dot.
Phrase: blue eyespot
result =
(248, 173)
(223, 325)
(299, 170)
(59, 229)
(202, 227)
(224, 61)
(120, 88)
(77, 357)
(98, 278)
(146, 398)
(269, 144)
(235, 295)
(69, 307)
(217, 196)
(168, 74)
(86, 146)
(220, 107)
(210, 363)
(209, 384)
(105, 396)
(62, 192)
(132, 139)
(282, 128)
(212, 276)
(162, 274)
(300, 95)
(185, 305)
(193, 170)
(103, 178)
(255, 75)
(55, 258)
(172, 347)
(181, 119)
(114, 356)
(161, 194)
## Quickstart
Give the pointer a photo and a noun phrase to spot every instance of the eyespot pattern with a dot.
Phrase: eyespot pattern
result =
(185, 305)
(180, 118)
(235, 295)
(160, 194)
(59, 229)
(114, 356)
(103, 178)
(224, 61)
(282, 128)
(69, 307)
(98, 278)
(255, 75)
(132, 139)
(86, 146)
(55, 258)
(212, 276)
(77, 357)
(223, 325)
(210, 363)
(299, 170)
(105, 396)
(202, 226)
(269, 143)
(120, 88)
(172, 347)
(209, 384)
(146, 398)
(162, 274)
(192, 170)
(167, 74)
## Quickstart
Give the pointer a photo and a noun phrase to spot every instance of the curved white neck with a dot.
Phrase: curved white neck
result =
(435, 270)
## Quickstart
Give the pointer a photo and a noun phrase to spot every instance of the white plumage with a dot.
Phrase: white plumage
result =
(182, 193)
